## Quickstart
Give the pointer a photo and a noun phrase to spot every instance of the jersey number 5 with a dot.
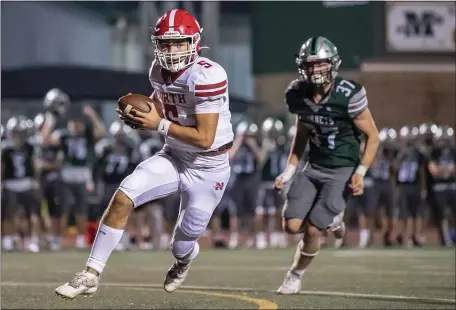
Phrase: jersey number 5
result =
(171, 113)
(204, 64)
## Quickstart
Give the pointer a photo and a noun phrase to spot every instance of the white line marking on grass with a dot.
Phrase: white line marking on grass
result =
(247, 289)
(334, 269)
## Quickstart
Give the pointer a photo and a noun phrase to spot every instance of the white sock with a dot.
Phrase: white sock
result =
(261, 236)
(364, 236)
(105, 242)
(299, 272)
(7, 242)
(196, 249)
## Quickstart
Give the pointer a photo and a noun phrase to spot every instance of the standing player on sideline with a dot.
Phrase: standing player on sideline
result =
(332, 112)
(192, 111)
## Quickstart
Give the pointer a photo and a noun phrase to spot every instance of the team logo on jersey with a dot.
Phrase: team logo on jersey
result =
(171, 98)
(320, 119)
(219, 186)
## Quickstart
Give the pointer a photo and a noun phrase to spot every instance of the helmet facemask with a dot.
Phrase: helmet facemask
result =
(319, 72)
(177, 60)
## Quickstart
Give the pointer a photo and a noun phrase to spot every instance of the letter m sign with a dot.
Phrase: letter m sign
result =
(219, 186)
(420, 25)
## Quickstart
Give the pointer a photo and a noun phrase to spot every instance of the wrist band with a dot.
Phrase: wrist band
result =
(361, 170)
(163, 126)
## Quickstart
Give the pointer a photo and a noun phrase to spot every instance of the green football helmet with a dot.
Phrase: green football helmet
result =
(314, 51)
(56, 101)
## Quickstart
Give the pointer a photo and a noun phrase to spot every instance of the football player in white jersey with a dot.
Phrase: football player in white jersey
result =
(192, 112)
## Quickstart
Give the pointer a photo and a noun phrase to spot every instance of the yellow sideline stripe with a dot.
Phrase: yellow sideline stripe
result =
(261, 303)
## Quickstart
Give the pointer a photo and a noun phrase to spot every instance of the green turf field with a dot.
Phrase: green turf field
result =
(242, 279)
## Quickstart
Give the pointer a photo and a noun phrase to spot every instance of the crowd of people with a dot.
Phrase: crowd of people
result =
(62, 174)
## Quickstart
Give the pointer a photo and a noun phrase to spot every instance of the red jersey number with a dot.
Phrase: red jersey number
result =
(204, 64)
(171, 113)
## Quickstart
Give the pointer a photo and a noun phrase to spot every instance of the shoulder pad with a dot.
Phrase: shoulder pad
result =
(294, 85)
(208, 79)
(294, 94)
(357, 101)
(154, 72)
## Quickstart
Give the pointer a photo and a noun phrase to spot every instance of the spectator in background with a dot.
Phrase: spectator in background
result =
(247, 157)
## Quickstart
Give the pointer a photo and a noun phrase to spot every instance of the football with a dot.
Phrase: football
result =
(134, 101)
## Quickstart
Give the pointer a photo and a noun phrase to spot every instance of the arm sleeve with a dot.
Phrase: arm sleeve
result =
(357, 103)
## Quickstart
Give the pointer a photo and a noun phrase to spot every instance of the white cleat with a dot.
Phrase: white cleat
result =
(84, 283)
(291, 284)
(7, 244)
(33, 248)
(234, 241)
(176, 276)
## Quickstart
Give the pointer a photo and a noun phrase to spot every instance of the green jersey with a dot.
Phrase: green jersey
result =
(334, 138)
(78, 150)
(17, 163)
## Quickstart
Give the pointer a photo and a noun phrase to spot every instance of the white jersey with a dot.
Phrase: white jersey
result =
(202, 88)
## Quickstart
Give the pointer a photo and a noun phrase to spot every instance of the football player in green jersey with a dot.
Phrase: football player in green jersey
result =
(77, 142)
(331, 114)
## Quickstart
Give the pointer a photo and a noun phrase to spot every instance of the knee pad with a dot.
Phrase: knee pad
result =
(191, 226)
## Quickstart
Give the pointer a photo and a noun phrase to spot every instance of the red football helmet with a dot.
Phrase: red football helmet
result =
(177, 24)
